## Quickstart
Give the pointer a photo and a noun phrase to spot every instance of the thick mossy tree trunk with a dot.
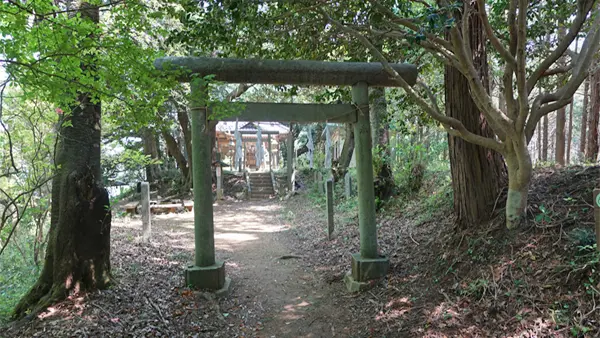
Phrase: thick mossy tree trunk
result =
(78, 253)
(478, 173)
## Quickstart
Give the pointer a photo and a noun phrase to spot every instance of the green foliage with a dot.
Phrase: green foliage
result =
(476, 288)
(583, 238)
(18, 272)
(545, 215)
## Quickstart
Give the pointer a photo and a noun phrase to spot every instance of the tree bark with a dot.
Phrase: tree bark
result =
(569, 134)
(559, 148)
(477, 172)
(78, 253)
(150, 146)
(384, 178)
(175, 151)
(341, 165)
(518, 163)
(184, 123)
(545, 140)
(584, 120)
(594, 117)
(539, 141)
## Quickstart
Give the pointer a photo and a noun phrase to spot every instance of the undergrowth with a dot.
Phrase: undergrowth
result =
(542, 279)
(18, 272)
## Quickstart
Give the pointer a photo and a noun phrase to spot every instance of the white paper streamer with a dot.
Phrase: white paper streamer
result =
(259, 148)
(238, 146)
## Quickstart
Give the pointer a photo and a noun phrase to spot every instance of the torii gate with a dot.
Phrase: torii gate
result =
(368, 264)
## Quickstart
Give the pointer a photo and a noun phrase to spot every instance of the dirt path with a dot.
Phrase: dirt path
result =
(272, 294)
(269, 279)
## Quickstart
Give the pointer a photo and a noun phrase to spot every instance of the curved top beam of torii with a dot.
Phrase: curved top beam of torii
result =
(293, 72)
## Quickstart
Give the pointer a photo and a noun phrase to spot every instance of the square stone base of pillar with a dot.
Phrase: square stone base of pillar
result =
(366, 272)
(207, 277)
(365, 269)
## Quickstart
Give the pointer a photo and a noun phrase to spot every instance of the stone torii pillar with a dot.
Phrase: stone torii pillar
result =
(207, 272)
(368, 264)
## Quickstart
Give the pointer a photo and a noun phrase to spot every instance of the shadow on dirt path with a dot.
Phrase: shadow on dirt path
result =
(268, 277)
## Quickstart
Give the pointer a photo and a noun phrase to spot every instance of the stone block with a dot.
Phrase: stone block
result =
(365, 269)
(206, 277)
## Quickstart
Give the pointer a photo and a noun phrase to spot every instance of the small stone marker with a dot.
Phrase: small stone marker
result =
(145, 201)
(348, 185)
(597, 216)
(330, 226)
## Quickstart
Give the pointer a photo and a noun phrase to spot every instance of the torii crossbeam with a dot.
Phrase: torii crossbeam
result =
(366, 265)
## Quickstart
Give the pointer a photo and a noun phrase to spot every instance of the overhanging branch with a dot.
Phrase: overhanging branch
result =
(452, 125)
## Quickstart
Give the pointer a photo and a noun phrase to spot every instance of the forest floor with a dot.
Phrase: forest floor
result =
(287, 279)
(274, 291)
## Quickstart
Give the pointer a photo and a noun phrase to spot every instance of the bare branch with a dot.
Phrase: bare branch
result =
(456, 128)
(558, 70)
(564, 95)
(410, 25)
(563, 45)
(497, 119)
(452, 125)
(492, 36)
(241, 89)
(521, 73)
(512, 27)
(465, 32)
(13, 201)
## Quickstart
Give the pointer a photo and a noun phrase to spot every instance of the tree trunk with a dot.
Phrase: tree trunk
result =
(570, 133)
(559, 149)
(384, 179)
(78, 252)
(477, 172)
(539, 141)
(545, 140)
(584, 120)
(150, 146)
(175, 151)
(559, 154)
(341, 167)
(518, 162)
(184, 123)
(594, 116)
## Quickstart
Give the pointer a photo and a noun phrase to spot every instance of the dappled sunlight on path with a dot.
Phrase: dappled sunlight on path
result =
(255, 242)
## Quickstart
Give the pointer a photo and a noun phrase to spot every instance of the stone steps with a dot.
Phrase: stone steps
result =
(261, 186)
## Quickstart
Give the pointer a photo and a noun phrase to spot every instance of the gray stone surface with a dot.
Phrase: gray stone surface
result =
(206, 277)
(352, 285)
(365, 269)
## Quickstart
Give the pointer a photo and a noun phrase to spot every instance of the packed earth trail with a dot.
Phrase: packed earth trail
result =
(257, 247)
